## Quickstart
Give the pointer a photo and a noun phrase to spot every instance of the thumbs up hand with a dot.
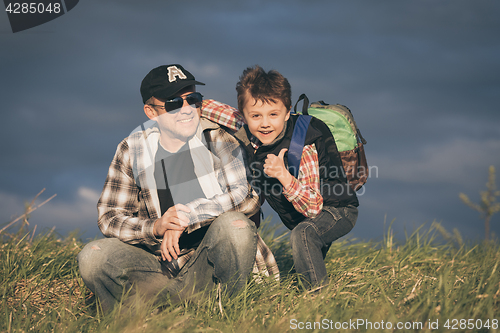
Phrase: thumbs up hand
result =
(274, 166)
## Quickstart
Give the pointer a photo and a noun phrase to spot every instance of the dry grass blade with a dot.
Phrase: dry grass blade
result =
(416, 281)
(29, 210)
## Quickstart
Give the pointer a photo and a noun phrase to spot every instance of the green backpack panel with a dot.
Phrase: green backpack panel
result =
(336, 117)
(350, 143)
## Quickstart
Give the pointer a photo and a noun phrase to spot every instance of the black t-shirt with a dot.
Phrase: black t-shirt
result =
(176, 182)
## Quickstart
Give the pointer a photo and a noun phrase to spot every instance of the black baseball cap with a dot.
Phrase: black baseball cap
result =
(165, 81)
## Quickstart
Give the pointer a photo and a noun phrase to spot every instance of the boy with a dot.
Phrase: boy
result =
(319, 206)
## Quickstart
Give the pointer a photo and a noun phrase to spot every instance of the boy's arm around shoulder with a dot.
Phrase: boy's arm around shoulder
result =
(222, 114)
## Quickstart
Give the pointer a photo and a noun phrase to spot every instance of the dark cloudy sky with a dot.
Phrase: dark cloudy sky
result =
(421, 77)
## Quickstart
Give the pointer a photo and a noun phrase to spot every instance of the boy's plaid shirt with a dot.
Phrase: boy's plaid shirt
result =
(129, 205)
(304, 191)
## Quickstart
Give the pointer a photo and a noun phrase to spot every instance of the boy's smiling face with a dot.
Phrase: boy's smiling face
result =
(265, 120)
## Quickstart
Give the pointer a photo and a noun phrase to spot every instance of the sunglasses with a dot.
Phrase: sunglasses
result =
(177, 102)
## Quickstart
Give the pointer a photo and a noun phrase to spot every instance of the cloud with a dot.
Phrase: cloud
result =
(458, 161)
(65, 214)
(88, 195)
(11, 207)
(422, 79)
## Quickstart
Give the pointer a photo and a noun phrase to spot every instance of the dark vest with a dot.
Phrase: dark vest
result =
(335, 190)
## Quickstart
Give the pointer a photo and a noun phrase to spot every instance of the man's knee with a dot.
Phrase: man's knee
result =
(90, 259)
(233, 221)
(239, 224)
(234, 229)
(93, 257)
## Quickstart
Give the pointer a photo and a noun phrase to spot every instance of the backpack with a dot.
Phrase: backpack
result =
(348, 139)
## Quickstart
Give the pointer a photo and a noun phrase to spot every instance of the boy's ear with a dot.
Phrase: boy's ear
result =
(287, 115)
(150, 111)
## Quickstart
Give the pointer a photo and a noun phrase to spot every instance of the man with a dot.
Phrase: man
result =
(175, 205)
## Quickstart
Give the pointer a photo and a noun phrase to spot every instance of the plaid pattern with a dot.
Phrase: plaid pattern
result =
(231, 175)
(222, 114)
(122, 208)
(129, 205)
(304, 192)
(265, 264)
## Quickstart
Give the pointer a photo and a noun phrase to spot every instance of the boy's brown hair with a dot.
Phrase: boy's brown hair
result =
(266, 87)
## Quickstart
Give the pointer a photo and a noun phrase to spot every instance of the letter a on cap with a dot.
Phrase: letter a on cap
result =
(173, 71)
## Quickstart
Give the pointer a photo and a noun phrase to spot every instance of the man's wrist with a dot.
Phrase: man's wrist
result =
(155, 229)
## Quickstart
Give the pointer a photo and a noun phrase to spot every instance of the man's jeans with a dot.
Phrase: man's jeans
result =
(312, 238)
(111, 268)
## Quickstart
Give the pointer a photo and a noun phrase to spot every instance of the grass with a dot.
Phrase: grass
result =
(417, 282)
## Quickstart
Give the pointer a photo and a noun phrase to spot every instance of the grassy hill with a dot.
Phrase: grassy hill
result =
(417, 285)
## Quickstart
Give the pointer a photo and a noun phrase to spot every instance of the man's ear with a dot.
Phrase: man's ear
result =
(150, 112)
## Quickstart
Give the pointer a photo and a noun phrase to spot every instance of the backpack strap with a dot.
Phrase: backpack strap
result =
(297, 143)
(305, 105)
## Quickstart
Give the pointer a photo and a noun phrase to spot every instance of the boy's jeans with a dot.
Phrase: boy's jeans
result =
(111, 268)
(312, 238)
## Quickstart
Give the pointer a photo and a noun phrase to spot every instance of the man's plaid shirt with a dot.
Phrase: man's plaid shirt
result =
(129, 204)
(304, 191)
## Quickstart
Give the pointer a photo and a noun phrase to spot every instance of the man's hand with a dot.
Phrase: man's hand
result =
(274, 166)
(170, 245)
(172, 220)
